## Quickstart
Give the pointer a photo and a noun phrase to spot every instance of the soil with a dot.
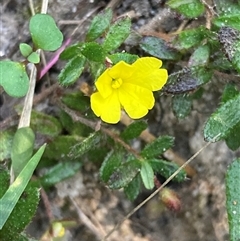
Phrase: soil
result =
(202, 216)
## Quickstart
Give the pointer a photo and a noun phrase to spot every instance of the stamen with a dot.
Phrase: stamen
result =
(116, 83)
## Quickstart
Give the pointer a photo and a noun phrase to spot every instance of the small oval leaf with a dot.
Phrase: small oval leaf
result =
(99, 24)
(72, 70)
(111, 162)
(133, 188)
(34, 58)
(45, 33)
(25, 49)
(117, 33)
(93, 51)
(134, 130)
(223, 121)
(124, 174)
(126, 57)
(147, 175)
(13, 78)
(166, 169)
(59, 172)
(159, 48)
(157, 147)
(189, 8)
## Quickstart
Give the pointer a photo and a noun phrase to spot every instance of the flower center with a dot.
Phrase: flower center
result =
(116, 83)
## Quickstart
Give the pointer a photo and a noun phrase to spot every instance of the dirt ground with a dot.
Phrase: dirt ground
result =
(202, 216)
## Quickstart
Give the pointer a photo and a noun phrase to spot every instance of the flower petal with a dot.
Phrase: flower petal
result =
(148, 63)
(147, 73)
(158, 78)
(108, 109)
(121, 70)
(136, 100)
(103, 84)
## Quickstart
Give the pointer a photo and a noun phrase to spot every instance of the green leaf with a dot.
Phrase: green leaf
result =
(166, 169)
(76, 101)
(74, 128)
(34, 58)
(231, 20)
(233, 140)
(159, 48)
(126, 57)
(4, 180)
(25, 49)
(72, 70)
(226, 7)
(6, 140)
(188, 79)
(200, 56)
(45, 124)
(157, 147)
(21, 215)
(223, 120)
(233, 199)
(71, 51)
(99, 24)
(117, 33)
(12, 195)
(45, 33)
(230, 91)
(59, 148)
(93, 52)
(191, 37)
(99, 153)
(22, 148)
(96, 69)
(124, 174)
(147, 175)
(230, 39)
(189, 8)
(132, 190)
(13, 78)
(86, 145)
(182, 105)
(134, 130)
(111, 162)
(59, 172)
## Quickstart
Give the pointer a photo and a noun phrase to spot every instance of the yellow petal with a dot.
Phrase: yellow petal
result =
(103, 84)
(109, 109)
(135, 100)
(158, 78)
(147, 74)
(147, 63)
(121, 70)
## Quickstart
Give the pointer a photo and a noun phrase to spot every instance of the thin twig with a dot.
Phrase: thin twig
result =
(158, 190)
(47, 204)
(31, 6)
(113, 4)
(86, 221)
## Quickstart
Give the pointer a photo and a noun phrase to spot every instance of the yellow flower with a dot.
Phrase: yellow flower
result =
(129, 87)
